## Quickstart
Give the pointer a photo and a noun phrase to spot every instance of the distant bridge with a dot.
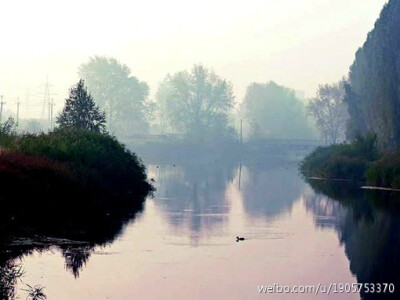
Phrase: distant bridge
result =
(284, 142)
(258, 143)
(281, 146)
(154, 137)
(175, 145)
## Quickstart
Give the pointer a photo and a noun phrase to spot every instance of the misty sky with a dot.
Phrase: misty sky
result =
(297, 43)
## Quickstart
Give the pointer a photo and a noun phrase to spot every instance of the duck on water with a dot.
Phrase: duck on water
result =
(239, 239)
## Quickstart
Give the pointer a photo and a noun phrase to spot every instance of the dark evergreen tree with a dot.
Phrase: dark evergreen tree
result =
(81, 112)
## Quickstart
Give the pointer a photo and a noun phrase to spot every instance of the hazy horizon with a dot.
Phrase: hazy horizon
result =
(298, 44)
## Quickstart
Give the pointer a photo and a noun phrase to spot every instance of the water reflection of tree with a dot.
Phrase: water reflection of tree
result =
(326, 212)
(76, 235)
(368, 224)
(269, 189)
(10, 272)
(194, 195)
(76, 258)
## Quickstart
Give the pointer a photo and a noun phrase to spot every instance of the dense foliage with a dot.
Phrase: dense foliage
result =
(342, 161)
(80, 111)
(196, 104)
(120, 94)
(274, 111)
(385, 171)
(78, 159)
(94, 159)
(373, 91)
(359, 161)
(8, 132)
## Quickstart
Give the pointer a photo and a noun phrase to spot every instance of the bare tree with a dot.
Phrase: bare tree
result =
(330, 112)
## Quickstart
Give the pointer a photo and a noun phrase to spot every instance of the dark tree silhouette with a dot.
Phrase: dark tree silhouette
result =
(80, 111)
(372, 92)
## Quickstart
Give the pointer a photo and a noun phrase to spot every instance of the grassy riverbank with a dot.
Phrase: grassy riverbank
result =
(64, 168)
(358, 161)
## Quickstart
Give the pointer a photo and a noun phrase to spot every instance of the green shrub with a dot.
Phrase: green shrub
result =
(95, 158)
(358, 161)
(8, 133)
(342, 161)
(343, 167)
(385, 171)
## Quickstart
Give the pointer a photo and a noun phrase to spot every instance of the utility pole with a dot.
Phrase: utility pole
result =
(241, 131)
(1, 106)
(18, 103)
(46, 99)
(51, 113)
(27, 102)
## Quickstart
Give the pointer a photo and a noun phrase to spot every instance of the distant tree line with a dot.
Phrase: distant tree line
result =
(197, 104)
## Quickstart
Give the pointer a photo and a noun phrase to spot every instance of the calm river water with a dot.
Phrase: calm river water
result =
(182, 244)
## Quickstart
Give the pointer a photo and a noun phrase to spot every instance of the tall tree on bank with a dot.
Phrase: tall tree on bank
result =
(197, 104)
(120, 94)
(373, 90)
(274, 111)
(330, 112)
(81, 112)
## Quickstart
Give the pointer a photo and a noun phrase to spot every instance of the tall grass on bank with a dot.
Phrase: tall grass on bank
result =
(95, 158)
(93, 162)
(343, 161)
(358, 161)
(385, 171)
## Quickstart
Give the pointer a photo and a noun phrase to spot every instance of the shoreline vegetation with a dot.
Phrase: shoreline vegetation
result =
(68, 181)
(360, 161)
(370, 96)
(70, 188)
(94, 166)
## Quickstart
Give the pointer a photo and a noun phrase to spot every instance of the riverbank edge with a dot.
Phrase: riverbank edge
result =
(91, 165)
(359, 161)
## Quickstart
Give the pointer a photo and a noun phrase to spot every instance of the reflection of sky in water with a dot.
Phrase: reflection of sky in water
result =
(183, 244)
